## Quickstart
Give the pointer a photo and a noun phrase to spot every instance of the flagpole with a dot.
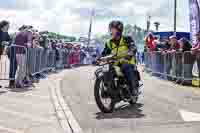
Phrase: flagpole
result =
(175, 15)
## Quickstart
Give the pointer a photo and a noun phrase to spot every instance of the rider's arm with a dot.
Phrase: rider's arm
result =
(131, 45)
(106, 50)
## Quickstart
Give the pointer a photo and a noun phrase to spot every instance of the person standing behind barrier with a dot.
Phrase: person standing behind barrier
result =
(185, 62)
(185, 45)
(149, 42)
(150, 47)
(196, 51)
(56, 53)
(4, 36)
(82, 56)
(22, 40)
(170, 60)
(11, 52)
(175, 46)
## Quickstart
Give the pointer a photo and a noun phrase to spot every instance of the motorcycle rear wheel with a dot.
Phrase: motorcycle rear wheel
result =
(98, 98)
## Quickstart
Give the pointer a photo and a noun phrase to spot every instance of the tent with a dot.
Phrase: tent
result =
(179, 35)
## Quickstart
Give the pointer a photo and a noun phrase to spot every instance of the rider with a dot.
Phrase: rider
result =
(123, 46)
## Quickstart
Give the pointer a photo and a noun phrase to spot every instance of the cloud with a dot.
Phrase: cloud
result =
(72, 16)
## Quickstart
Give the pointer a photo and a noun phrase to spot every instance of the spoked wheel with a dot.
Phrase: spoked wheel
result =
(104, 101)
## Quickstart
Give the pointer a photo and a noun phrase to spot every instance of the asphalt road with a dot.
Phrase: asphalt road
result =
(163, 108)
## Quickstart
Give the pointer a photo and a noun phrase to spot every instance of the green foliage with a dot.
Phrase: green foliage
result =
(53, 35)
(136, 32)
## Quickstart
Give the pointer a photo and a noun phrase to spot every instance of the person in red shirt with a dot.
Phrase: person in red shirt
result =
(149, 41)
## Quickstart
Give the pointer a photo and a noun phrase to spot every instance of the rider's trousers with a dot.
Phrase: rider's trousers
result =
(129, 73)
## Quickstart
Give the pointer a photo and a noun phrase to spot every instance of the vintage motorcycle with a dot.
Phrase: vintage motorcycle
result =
(111, 86)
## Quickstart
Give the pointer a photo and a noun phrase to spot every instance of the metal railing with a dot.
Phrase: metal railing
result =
(177, 66)
(18, 62)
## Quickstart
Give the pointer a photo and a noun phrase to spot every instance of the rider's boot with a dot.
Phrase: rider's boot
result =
(134, 87)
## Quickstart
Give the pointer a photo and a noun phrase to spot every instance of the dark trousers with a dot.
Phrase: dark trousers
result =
(131, 75)
(128, 71)
(13, 63)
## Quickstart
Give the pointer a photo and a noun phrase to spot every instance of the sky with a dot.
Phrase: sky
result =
(71, 17)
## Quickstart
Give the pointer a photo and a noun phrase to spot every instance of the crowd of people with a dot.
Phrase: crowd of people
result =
(27, 39)
(172, 54)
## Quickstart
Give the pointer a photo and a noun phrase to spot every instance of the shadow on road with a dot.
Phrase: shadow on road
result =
(21, 90)
(126, 111)
(2, 92)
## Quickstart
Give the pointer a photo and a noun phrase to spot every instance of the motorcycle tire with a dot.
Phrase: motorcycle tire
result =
(97, 96)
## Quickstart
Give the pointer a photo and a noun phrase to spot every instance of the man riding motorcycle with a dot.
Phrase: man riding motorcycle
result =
(123, 46)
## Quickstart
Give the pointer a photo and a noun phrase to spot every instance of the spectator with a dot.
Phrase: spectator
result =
(166, 44)
(172, 47)
(4, 36)
(163, 45)
(196, 51)
(82, 56)
(184, 45)
(157, 43)
(184, 67)
(149, 42)
(175, 46)
(23, 40)
(35, 42)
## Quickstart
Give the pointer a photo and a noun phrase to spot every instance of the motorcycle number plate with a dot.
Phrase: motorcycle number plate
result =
(105, 68)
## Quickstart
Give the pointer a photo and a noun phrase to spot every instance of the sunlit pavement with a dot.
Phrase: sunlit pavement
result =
(163, 108)
(28, 110)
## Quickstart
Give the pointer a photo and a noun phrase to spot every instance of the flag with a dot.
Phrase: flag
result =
(194, 18)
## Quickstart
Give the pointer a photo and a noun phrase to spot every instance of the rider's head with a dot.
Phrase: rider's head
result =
(116, 29)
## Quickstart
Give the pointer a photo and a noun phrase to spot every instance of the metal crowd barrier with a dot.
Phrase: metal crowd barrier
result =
(18, 62)
(40, 60)
(177, 66)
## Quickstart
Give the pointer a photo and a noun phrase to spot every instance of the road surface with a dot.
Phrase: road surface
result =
(164, 107)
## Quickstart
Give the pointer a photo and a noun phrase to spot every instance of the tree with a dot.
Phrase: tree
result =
(53, 35)
(128, 30)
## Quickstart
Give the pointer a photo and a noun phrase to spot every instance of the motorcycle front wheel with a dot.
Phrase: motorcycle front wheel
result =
(99, 89)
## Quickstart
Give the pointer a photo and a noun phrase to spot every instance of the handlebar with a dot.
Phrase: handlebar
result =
(108, 60)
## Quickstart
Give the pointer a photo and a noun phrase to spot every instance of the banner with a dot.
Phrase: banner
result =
(194, 18)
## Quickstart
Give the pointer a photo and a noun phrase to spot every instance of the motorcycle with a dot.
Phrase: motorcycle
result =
(111, 85)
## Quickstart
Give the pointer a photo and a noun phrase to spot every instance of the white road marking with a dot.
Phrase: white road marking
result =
(189, 116)
(58, 109)
(55, 85)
